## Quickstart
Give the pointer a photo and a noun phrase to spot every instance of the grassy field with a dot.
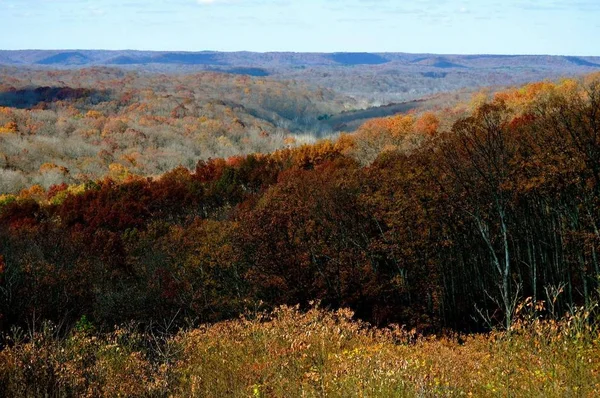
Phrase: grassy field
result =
(289, 353)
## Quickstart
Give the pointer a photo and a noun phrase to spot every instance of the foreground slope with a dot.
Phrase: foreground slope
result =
(291, 354)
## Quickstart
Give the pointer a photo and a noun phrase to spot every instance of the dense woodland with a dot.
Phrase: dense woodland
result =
(436, 221)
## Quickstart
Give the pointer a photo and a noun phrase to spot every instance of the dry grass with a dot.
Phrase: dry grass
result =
(289, 353)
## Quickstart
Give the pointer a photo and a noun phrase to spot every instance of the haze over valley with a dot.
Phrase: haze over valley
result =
(377, 78)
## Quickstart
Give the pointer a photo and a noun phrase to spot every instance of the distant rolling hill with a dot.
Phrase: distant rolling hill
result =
(282, 59)
(376, 78)
(582, 62)
(65, 58)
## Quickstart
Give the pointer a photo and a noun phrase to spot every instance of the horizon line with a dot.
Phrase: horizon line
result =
(301, 52)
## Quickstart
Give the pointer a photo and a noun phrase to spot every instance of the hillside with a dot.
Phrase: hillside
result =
(379, 78)
(75, 125)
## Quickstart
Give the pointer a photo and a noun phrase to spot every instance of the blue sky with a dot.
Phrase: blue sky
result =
(437, 26)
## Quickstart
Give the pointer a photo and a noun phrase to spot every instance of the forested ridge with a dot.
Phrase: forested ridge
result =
(457, 218)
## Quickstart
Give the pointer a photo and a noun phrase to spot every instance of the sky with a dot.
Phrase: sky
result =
(557, 27)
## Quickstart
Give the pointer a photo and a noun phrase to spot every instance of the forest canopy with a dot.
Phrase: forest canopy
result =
(434, 220)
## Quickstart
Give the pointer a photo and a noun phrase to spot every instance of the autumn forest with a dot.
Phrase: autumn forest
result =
(211, 235)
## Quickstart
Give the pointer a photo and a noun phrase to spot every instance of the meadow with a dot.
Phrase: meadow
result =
(316, 353)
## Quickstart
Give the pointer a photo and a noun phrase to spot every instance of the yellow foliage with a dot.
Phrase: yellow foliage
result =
(8, 128)
(72, 190)
(568, 87)
(345, 142)
(478, 99)
(224, 141)
(6, 199)
(76, 189)
(51, 166)
(592, 78)
(6, 111)
(93, 114)
(34, 192)
(118, 172)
